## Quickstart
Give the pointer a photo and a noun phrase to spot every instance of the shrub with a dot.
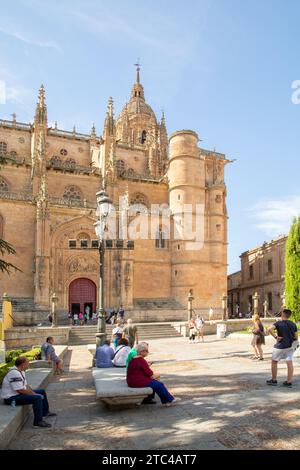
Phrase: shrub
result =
(12, 354)
(4, 368)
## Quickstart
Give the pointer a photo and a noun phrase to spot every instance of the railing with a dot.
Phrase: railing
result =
(76, 135)
(212, 153)
(22, 196)
(60, 201)
(73, 168)
(15, 124)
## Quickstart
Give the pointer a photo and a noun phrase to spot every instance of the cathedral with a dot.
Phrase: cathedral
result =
(48, 189)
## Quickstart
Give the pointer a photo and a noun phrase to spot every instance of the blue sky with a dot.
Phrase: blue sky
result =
(224, 68)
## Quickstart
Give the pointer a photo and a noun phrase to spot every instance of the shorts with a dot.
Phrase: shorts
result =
(286, 354)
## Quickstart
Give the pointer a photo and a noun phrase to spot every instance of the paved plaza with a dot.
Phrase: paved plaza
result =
(225, 403)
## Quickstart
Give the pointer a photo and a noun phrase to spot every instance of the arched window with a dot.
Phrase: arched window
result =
(143, 137)
(55, 161)
(1, 226)
(140, 203)
(4, 188)
(139, 198)
(130, 172)
(70, 163)
(3, 148)
(160, 240)
(72, 193)
(120, 166)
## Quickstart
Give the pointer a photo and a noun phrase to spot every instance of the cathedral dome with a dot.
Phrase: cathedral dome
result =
(137, 104)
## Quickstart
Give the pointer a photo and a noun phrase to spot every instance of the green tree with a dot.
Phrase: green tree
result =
(5, 247)
(292, 269)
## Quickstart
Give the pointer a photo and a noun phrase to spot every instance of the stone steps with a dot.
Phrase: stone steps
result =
(86, 334)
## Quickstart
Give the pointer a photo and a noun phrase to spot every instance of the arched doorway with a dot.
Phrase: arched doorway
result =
(82, 293)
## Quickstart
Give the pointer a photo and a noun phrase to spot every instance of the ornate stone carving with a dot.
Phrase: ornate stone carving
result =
(82, 265)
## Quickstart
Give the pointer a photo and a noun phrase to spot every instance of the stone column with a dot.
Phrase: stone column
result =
(255, 298)
(224, 307)
(54, 300)
(265, 304)
(190, 305)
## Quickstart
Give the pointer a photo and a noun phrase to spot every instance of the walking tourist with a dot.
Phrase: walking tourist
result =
(117, 334)
(140, 375)
(192, 330)
(75, 317)
(94, 318)
(258, 338)
(121, 353)
(48, 354)
(199, 323)
(16, 392)
(80, 318)
(104, 355)
(130, 332)
(286, 344)
(211, 313)
(86, 317)
(50, 319)
(121, 314)
(70, 317)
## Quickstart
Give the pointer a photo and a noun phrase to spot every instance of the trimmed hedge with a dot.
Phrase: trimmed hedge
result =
(11, 356)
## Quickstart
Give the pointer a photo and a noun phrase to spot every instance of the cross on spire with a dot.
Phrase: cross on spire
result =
(138, 68)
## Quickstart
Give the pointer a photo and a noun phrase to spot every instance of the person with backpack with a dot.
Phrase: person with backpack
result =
(286, 334)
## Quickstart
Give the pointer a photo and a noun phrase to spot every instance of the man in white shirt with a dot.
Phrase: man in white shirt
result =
(15, 389)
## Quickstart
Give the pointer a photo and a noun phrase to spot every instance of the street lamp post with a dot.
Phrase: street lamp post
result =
(104, 206)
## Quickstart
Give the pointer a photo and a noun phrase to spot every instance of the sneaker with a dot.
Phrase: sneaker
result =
(272, 382)
(254, 358)
(50, 414)
(287, 384)
(150, 402)
(261, 359)
(42, 424)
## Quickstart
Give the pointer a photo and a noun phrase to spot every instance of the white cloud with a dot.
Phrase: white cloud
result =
(274, 217)
(111, 26)
(32, 42)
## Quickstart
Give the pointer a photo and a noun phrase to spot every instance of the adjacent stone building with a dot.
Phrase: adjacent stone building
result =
(262, 271)
(48, 208)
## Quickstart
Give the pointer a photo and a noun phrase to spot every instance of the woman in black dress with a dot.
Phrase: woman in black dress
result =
(258, 338)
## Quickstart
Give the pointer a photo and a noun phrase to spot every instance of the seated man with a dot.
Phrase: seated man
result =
(15, 389)
(48, 353)
(104, 355)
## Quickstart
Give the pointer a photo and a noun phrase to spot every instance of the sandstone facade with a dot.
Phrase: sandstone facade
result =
(262, 271)
(48, 208)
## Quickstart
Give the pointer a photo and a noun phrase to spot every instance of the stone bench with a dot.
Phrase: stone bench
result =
(12, 419)
(113, 391)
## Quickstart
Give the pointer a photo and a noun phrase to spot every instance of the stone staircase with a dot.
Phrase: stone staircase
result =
(153, 304)
(146, 331)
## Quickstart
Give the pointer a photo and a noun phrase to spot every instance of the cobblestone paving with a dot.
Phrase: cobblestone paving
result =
(224, 404)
